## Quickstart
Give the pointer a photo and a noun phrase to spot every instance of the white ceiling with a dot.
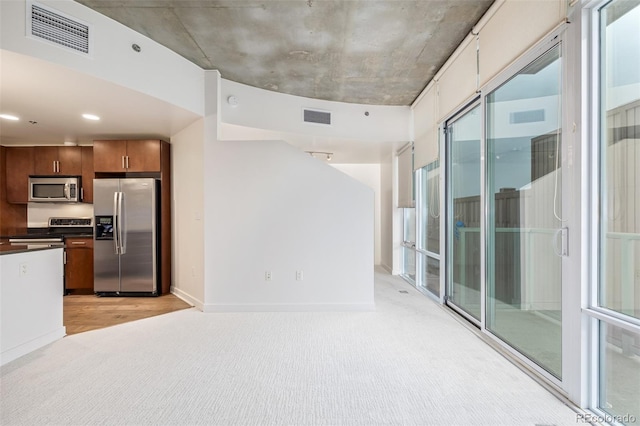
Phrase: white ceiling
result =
(55, 97)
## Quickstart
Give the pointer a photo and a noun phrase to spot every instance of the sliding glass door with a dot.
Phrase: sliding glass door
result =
(464, 213)
(428, 248)
(526, 238)
(409, 245)
(616, 310)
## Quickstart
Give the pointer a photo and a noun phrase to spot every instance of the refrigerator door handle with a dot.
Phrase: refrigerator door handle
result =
(121, 231)
(116, 224)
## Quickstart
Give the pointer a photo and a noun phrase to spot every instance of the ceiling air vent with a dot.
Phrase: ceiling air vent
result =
(532, 116)
(318, 117)
(59, 29)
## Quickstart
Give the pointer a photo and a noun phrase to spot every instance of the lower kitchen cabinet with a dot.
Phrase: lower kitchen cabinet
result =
(78, 271)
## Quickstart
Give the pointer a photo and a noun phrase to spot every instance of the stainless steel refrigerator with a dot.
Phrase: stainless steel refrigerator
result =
(126, 236)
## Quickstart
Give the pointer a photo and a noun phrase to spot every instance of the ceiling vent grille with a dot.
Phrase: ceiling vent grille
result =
(317, 117)
(59, 29)
(532, 116)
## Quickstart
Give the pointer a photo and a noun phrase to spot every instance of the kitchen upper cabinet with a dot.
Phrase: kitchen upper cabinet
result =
(87, 174)
(120, 156)
(78, 270)
(57, 160)
(18, 167)
(143, 156)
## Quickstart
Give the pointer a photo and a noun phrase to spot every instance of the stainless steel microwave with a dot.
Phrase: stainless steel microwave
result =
(55, 189)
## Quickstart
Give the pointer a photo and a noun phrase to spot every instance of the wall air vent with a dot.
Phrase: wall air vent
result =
(532, 116)
(59, 29)
(317, 117)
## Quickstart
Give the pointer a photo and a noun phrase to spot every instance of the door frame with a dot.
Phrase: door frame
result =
(476, 101)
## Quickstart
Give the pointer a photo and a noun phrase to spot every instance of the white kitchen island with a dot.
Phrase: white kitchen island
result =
(31, 291)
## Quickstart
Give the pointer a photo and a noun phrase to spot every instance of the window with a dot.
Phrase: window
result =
(429, 217)
(409, 244)
(618, 188)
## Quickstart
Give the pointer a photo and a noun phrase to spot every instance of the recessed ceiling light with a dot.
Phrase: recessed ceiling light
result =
(9, 117)
(91, 117)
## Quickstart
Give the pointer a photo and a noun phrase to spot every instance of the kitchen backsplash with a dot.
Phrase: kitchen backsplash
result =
(38, 214)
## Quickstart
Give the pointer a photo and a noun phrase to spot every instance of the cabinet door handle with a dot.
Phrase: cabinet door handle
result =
(123, 162)
(82, 194)
(127, 162)
(81, 243)
(54, 166)
(64, 257)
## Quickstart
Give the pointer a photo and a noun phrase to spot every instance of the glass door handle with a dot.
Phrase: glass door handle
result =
(563, 249)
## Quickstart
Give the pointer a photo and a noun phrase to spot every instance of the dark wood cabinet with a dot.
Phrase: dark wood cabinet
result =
(13, 217)
(18, 167)
(78, 270)
(108, 156)
(121, 156)
(87, 174)
(57, 160)
(45, 160)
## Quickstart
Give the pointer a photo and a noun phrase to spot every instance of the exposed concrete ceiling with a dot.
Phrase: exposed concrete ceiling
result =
(362, 51)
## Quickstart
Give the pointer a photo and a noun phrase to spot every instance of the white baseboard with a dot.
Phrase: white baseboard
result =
(386, 268)
(30, 346)
(293, 307)
(188, 298)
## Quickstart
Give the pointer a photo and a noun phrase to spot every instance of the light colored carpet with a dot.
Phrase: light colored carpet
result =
(407, 363)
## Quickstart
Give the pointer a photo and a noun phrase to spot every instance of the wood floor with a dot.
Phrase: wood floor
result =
(89, 312)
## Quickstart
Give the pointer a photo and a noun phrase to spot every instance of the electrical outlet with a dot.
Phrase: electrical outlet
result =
(299, 276)
(267, 276)
(24, 269)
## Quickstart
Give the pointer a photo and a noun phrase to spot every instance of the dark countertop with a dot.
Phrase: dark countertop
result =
(45, 234)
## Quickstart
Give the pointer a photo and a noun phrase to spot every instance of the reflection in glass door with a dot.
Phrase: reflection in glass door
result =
(525, 226)
(409, 245)
(428, 249)
(464, 213)
(618, 288)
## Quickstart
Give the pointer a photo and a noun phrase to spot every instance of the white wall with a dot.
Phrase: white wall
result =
(263, 109)
(187, 165)
(277, 209)
(387, 208)
(368, 174)
(30, 301)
